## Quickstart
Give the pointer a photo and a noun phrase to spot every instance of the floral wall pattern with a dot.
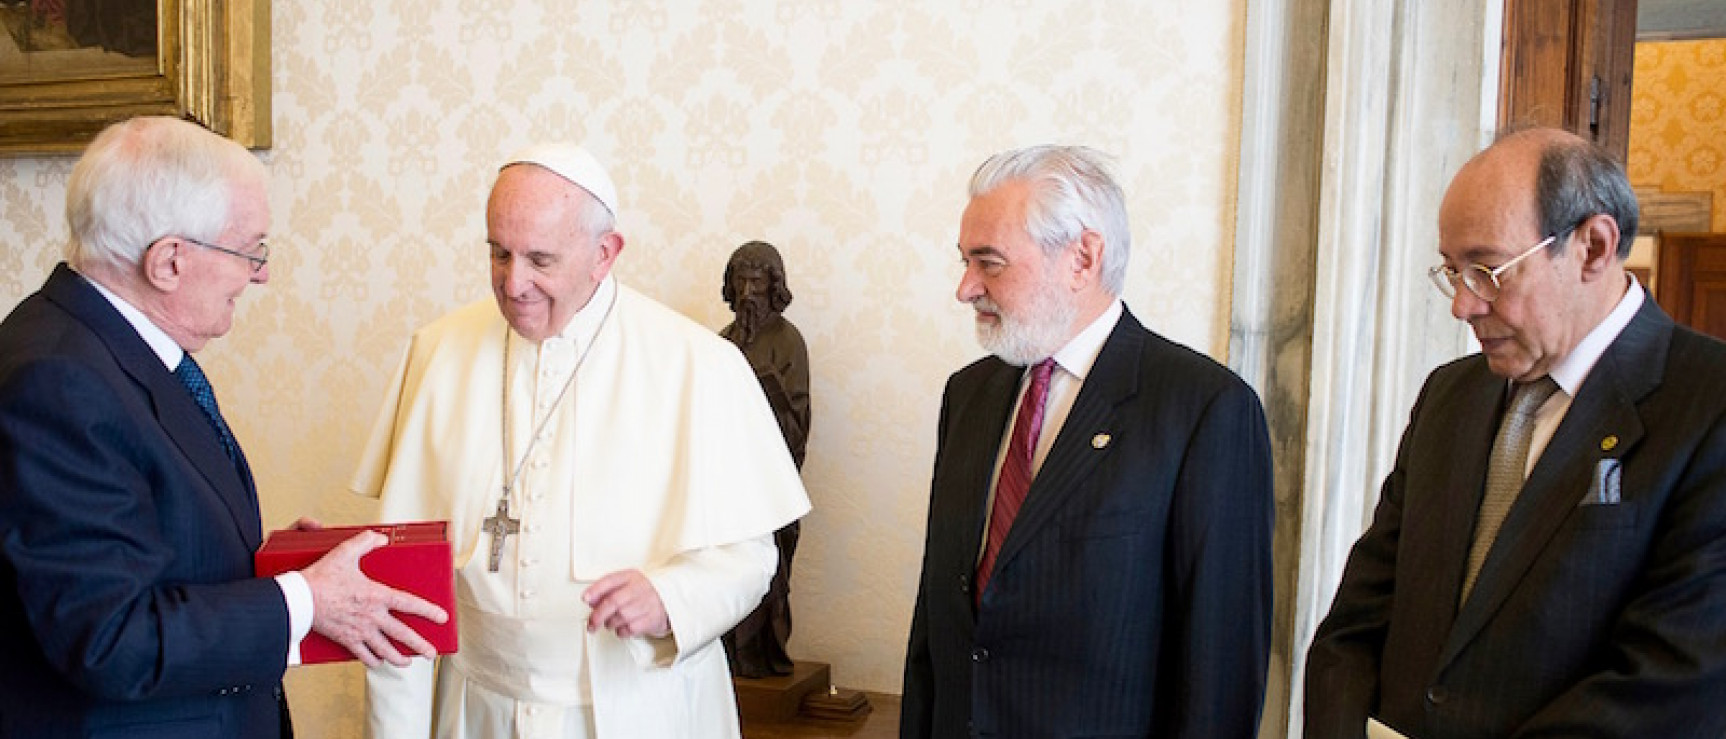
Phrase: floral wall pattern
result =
(1678, 119)
(841, 132)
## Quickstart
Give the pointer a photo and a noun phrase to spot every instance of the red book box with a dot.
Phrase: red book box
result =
(416, 559)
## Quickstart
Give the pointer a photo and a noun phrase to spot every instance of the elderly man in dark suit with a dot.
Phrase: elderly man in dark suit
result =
(1548, 556)
(1098, 560)
(128, 515)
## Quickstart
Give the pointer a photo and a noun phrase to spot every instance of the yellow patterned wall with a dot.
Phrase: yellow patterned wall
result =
(842, 132)
(1678, 119)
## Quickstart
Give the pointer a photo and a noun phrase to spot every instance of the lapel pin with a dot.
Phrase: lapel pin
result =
(1609, 443)
(1100, 440)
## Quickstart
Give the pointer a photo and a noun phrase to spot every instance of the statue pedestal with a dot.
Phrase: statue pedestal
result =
(777, 698)
(836, 704)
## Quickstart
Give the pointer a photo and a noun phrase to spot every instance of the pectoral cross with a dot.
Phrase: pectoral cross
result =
(500, 526)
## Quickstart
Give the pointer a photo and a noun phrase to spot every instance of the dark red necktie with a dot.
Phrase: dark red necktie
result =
(1015, 479)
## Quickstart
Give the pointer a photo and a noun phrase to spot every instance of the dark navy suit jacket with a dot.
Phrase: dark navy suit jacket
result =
(1589, 618)
(1132, 596)
(128, 606)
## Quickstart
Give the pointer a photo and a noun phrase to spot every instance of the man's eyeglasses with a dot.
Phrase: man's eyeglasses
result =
(1481, 281)
(258, 260)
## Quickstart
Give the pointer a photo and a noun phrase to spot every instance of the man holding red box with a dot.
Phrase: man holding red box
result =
(128, 513)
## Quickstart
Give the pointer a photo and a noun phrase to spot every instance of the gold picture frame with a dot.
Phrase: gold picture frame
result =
(212, 65)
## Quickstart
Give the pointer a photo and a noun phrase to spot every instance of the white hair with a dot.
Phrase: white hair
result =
(146, 178)
(1071, 191)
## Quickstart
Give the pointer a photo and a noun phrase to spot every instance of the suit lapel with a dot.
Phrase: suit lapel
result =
(1113, 378)
(1478, 405)
(985, 416)
(1605, 406)
(180, 418)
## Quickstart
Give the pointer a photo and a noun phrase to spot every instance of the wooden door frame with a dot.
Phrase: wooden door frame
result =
(1569, 64)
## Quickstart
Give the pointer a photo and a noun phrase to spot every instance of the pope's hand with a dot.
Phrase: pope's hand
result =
(626, 603)
(355, 611)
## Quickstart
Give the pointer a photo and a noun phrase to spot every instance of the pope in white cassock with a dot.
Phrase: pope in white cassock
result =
(612, 475)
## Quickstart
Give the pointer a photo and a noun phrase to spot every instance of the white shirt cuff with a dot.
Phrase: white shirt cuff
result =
(299, 597)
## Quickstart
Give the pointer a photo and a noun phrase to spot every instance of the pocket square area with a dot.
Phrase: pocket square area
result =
(1603, 488)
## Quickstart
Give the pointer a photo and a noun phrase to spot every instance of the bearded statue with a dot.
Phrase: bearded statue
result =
(756, 289)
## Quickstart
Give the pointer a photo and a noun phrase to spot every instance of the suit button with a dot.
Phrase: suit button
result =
(1437, 695)
(964, 583)
(979, 655)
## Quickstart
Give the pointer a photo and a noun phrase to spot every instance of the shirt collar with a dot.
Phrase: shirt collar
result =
(1081, 352)
(164, 346)
(1570, 371)
(585, 324)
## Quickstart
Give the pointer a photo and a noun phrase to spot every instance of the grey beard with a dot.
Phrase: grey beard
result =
(1036, 334)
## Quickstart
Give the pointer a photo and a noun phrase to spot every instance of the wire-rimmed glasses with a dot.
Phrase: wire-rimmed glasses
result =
(1481, 281)
(258, 260)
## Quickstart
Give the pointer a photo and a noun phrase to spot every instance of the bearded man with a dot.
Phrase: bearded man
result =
(756, 289)
(1104, 568)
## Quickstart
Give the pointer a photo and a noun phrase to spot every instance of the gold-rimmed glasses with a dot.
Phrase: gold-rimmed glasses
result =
(1482, 281)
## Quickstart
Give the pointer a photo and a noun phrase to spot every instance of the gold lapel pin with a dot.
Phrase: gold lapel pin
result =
(1609, 443)
(1100, 440)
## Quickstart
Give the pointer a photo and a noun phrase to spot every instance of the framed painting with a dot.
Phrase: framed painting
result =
(70, 67)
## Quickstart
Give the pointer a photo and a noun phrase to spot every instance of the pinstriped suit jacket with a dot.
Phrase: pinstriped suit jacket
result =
(127, 602)
(1587, 620)
(1133, 595)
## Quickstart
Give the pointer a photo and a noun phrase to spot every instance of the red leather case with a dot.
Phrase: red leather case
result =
(416, 559)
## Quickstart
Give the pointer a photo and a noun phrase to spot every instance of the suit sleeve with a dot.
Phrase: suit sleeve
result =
(917, 704)
(1665, 666)
(1342, 666)
(83, 481)
(1220, 565)
(916, 713)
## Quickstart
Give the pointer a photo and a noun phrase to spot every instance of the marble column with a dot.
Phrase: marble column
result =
(1356, 113)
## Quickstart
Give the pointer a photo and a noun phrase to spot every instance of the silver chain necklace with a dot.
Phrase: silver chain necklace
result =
(500, 525)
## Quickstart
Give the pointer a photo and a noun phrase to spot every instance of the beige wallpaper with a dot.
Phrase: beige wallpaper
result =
(842, 132)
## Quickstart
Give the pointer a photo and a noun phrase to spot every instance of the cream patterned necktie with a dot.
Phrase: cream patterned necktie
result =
(1505, 471)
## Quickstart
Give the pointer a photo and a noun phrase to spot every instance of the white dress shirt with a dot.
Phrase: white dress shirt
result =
(1574, 368)
(1072, 365)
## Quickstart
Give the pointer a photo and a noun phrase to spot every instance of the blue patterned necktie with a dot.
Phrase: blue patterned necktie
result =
(192, 376)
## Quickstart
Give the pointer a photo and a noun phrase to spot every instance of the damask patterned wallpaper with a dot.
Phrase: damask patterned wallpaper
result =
(842, 132)
(1678, 119)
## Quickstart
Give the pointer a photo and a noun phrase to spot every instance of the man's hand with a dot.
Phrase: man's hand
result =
(354, 611)
(626, 603)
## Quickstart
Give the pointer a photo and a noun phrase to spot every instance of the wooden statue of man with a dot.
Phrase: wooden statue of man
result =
(757, 292)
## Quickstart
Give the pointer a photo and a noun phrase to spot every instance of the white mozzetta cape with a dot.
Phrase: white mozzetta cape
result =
(675, 453)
